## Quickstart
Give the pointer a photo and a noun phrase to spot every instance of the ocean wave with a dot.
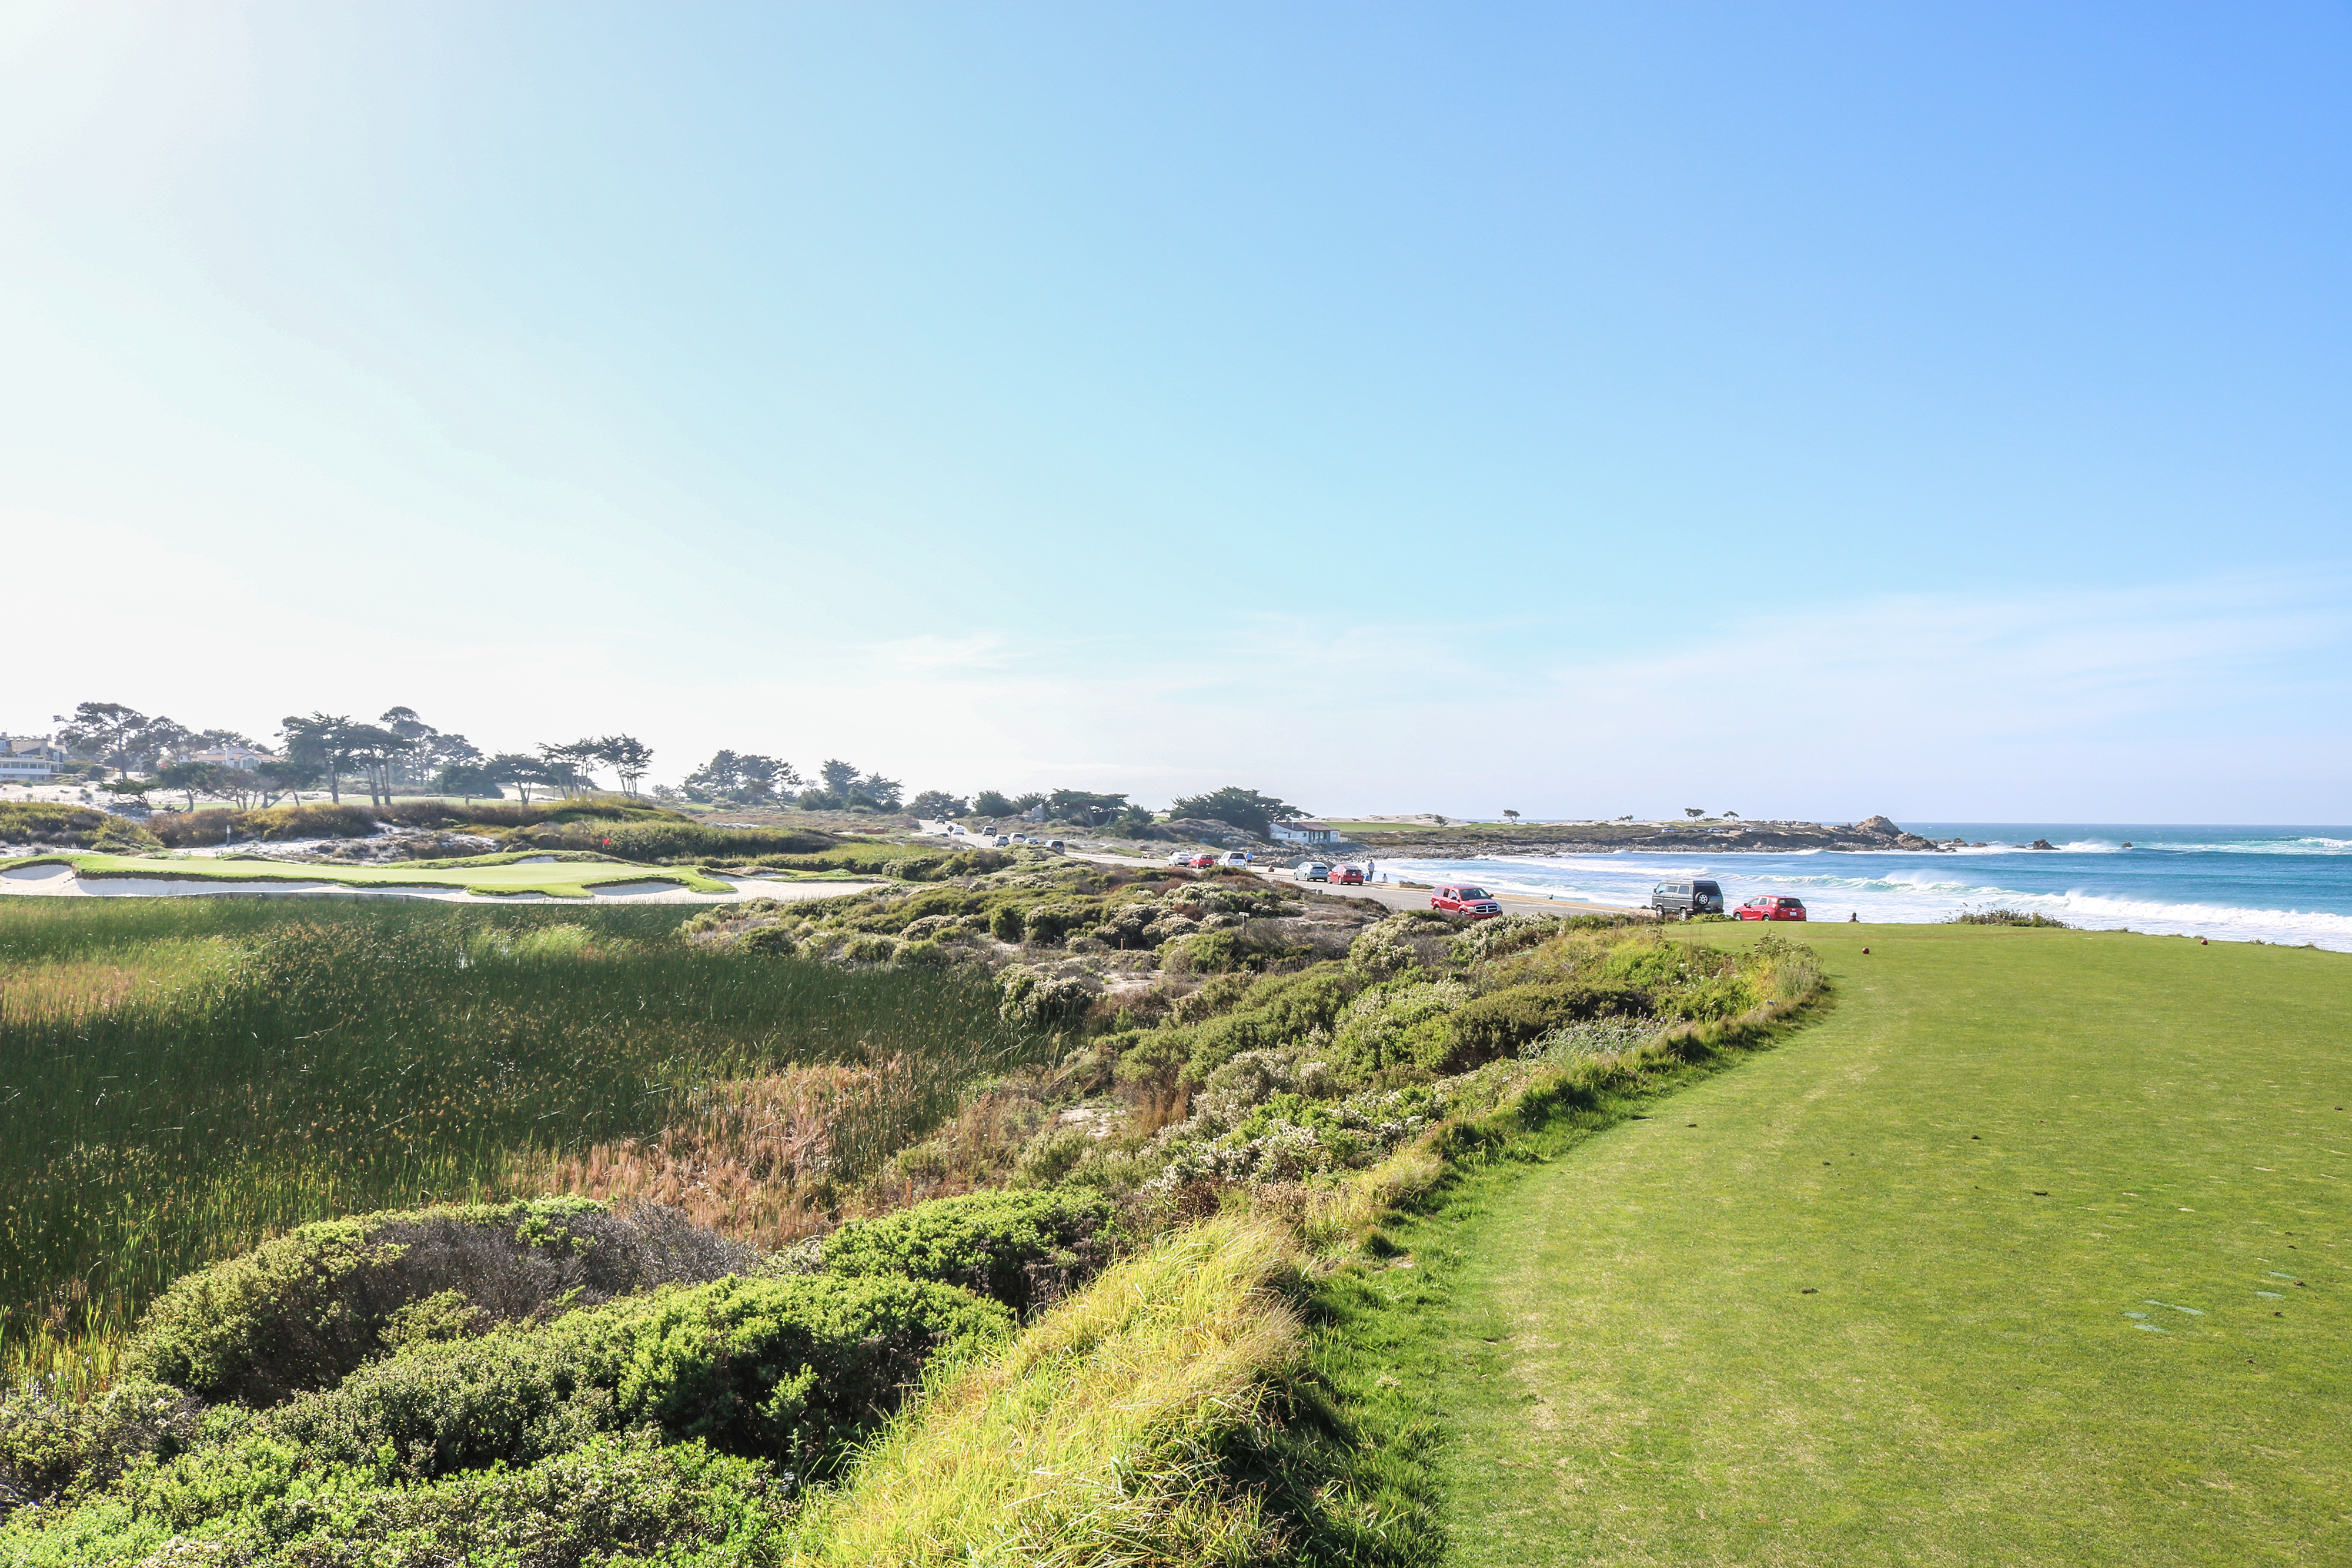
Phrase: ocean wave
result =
(1927, 894)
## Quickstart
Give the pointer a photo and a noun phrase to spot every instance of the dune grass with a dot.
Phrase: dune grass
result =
(504, 874)
(180, 1078)
(2031, 1251)
(1096, 1440)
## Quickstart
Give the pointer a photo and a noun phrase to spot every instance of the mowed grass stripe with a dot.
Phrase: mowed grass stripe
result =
(1997, 1149)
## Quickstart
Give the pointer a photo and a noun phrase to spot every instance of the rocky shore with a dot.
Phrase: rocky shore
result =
(1469, 841)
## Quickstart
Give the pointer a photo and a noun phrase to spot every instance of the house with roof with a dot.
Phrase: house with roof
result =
(28, 758)
(1303, 830)
(244, 758)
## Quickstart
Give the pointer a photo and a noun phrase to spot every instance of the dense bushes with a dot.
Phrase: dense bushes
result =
(790, 1370)
(1022, 1248)
(275, 824)
(69, 827)
(300, 1313)
(671, 839)
(1502, 1023)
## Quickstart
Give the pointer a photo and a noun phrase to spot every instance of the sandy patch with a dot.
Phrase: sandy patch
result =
(59, 881)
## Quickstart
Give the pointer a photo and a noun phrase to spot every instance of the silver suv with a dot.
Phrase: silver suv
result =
(1681, 900)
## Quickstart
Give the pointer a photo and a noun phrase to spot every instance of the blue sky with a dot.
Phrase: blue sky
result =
(1938, 411)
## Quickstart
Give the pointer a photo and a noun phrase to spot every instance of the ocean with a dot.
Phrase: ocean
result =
(2290, 885)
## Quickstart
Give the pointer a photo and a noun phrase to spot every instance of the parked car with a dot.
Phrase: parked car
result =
(1349, 873)
(1681, 900)
(1463, 898)
(1003, 840)
(1181, 857)
(1235, 857)
(1055, 844)
(1771, 906)
(1202, 861)
(1311, 870)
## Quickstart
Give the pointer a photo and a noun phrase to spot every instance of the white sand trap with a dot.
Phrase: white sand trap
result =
(34, 878)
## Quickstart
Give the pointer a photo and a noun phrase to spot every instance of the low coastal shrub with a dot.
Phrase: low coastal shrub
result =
(791, 1372)
(301, 1311)
(55, 822)
(2001, 916)
(1022, 1248)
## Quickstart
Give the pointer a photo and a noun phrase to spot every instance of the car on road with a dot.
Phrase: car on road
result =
(1202, 861)
(1002, 841)
(1180, 857)
(1681, 900)
(1235, 857)
(1771, 906)
(1464, 898)
(1353, 874)
(1311, 870)
(1055, 844)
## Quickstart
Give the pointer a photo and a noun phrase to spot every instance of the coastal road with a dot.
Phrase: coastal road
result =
(1390, 894)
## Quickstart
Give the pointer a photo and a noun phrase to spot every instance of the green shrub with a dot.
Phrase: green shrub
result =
(276, 823)
(1040, 1000)
(776, 941)
(1502, 1023)
(791, 1370)
(300, 1313)
(51, 823)
(49, 1444)
(1022, 1248)
(2001, 916)
(1007, 924)
(121, 836)
(1047, 923)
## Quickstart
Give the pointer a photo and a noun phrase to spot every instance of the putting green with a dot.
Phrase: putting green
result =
(556, 879)
(2033, 1250)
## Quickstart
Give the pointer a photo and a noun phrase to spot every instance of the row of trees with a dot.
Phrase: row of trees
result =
(398, 750)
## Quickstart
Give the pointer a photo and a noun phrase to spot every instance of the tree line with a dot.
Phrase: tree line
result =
(398, 750)
(325, 751)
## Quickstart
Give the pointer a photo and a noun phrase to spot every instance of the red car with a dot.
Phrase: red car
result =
(1771, 906)
(1201, 862)
(1461, 898)
(1354, 873)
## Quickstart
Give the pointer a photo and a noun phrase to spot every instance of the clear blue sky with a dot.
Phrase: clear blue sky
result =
(1804, 410)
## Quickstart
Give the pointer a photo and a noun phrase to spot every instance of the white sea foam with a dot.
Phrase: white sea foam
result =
(1932, 892)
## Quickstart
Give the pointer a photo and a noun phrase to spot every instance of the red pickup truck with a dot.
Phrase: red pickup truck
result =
(1462, 898)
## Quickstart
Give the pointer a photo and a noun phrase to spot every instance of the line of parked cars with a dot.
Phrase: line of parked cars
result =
(1681, 900)
(1317, 871)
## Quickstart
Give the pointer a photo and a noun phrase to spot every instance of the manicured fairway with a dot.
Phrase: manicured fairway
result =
(2033, 1251)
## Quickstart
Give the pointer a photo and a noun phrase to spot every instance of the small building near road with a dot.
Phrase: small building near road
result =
(1303, 830)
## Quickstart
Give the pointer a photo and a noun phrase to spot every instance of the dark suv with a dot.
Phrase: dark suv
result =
(1681, 900)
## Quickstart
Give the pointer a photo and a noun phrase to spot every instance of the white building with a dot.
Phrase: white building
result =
(1303, 830)
(244, 758)
(27, 758)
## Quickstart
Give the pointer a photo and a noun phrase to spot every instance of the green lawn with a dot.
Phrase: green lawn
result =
(2033, 1250)
(493, 873)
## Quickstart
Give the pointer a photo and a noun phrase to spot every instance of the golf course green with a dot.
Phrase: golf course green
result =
(2030, 1249)
(500, 874)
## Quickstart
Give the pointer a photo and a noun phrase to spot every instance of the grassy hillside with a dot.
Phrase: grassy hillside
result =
(2033, 1251)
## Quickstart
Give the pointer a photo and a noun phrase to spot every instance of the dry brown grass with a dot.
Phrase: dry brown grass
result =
(758, 1158)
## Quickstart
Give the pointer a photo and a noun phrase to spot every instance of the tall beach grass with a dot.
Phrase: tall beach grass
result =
(178, 1078)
